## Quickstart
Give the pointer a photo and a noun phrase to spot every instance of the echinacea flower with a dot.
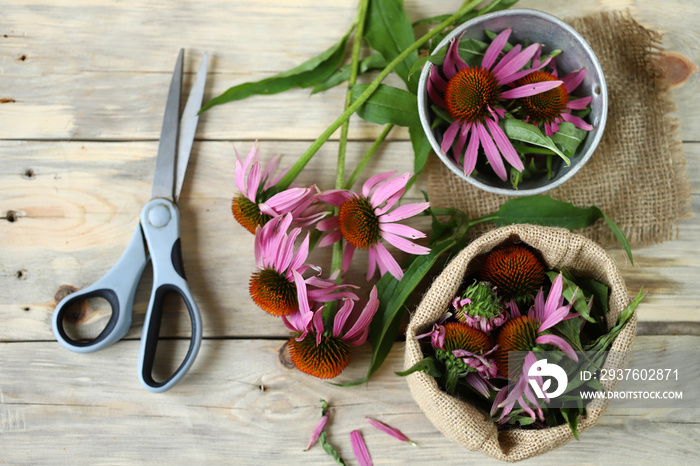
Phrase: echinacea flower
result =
(522, 333)
(515, 271)
(360, 449)
(554, 106)
(364, 219)
(277, 286)
(465, 351)
(480, 307)
(257, 201)
(325, 353)
(472, 96)
(396, 433)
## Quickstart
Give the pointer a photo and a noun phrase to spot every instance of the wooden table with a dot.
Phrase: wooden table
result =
(82, 90)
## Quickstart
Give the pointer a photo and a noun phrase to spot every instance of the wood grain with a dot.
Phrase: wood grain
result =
(241, 404)
(82, 90)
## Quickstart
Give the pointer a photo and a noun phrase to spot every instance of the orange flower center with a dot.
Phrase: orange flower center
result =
(461, 336)
(247, 213)
(470, 93)
(517, 334)
(272, 292)
(546, 106)
(358, 222)
(324, 361)
(515, 270)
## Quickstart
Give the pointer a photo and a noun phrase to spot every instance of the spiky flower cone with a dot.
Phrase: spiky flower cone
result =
(461, 336)
(515, 271)
(273, 293)
(325, 361)
(517, 334)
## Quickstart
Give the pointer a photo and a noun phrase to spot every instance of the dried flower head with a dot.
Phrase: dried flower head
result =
(515, 271)
(480, 307)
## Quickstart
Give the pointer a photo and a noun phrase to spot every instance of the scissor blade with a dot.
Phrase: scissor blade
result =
(188, 125)
(164, 177)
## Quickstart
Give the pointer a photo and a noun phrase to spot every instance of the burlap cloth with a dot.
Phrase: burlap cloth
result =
(637, 176)
(470, 426)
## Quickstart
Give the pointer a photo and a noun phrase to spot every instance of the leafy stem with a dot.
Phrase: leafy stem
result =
(294, 171)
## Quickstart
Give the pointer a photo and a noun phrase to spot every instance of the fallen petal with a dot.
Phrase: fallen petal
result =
(396, 433)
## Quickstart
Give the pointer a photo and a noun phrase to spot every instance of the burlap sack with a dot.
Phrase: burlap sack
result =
(637, 175)
(470, 426)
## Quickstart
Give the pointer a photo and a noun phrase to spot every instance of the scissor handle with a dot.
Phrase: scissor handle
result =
(117, 287)
(160, 222)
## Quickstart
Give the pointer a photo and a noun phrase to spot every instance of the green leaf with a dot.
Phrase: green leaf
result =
(342, 74)
(389, 32)
(310, 73)
(526, 132)
(570, 415)
(392, 296)
(388, 105)
(569, 137)
(328, 448)
(421, 149)
(428, 365)
(543, 210)
(602, 343)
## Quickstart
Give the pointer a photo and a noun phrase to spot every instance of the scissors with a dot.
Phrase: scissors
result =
(156, 238)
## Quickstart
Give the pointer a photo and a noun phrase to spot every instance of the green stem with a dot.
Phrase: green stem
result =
(316, 145)
(337, 257)
(368, 156)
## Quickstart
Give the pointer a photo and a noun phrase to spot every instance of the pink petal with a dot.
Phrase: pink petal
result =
(363, 321)
(573, 80)
(401, 230)
(476, 381)
(504, 145)
(461, 140)
(347, 256)
(449, 136)
(360, 449)
(470, 155)
(330, 238)
(387, 261)
(516, 63)
(288, 199)
(495, 48)
(371, 263)
(317, 430)
(521, 74)
(449, 68)
(404, 244)
(437, 80)
(553, 297)
(576, 121)
(459, 63)
(389, 188)
(404, 211)
(396, 433)
(435, 96)
(579, 104)
(506, 59)
(374, 180)
(301, 255)
(301, 293)
(254, 181)
(318, 325)
(342, 316)
(492, 153)
(390, 202)
(269, 170)
(328, 224)
(336, 197)
(559, 342)
(530, 89)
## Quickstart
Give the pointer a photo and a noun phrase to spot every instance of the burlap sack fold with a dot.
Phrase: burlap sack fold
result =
(637, 175)
(468, 425)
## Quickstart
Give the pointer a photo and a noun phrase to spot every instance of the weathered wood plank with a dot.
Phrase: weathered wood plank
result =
(77, 210)
(240, 403)
(75, 83)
